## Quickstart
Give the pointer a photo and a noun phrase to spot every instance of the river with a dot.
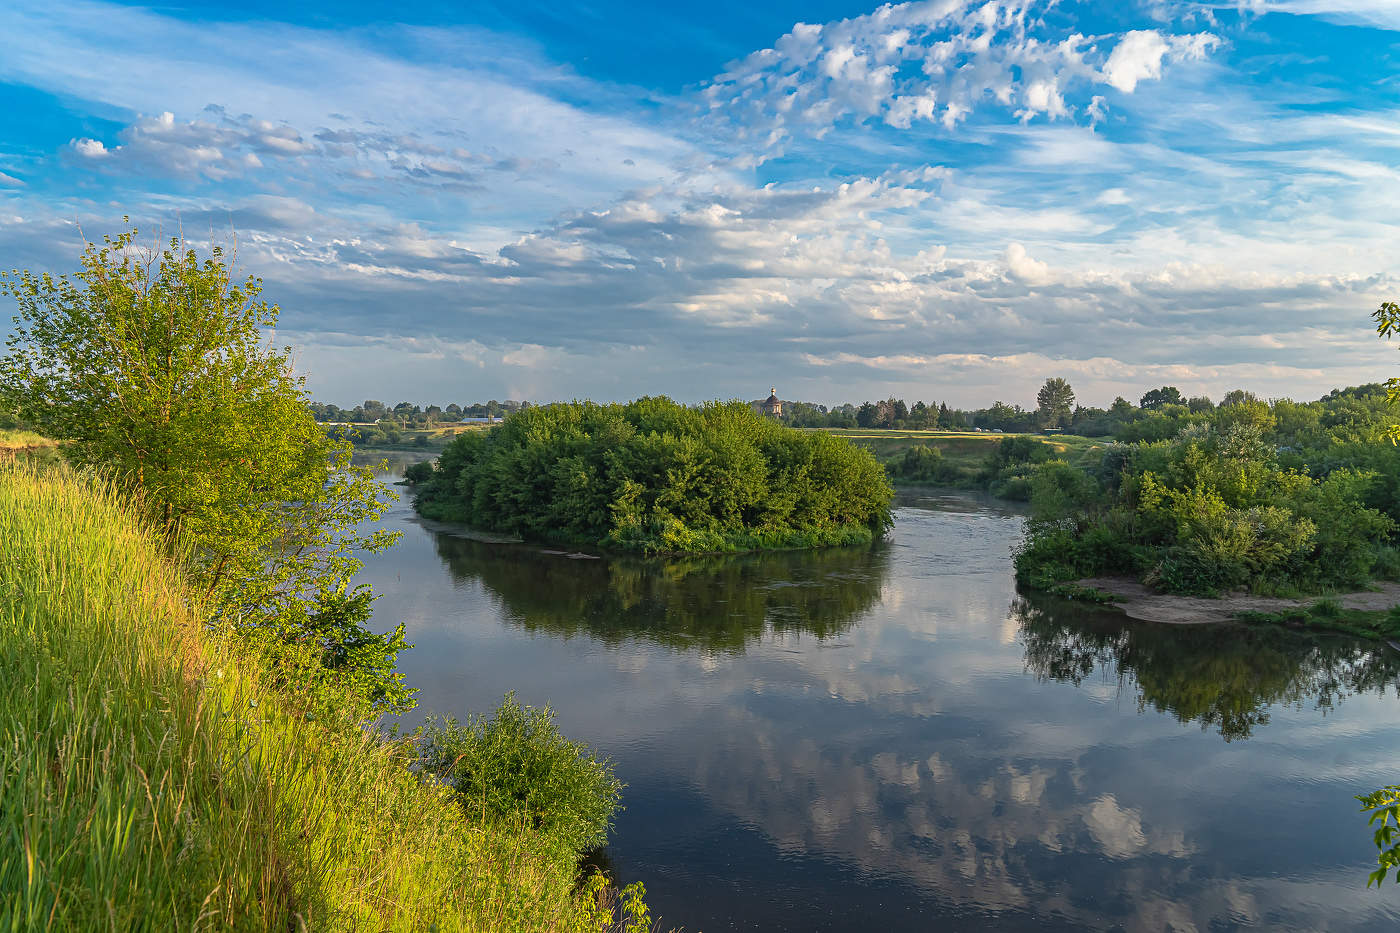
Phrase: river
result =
(893, 739)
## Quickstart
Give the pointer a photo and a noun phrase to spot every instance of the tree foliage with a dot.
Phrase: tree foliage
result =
(1384, 804)
(1227, 502)
(1157, 398)
(154, 366)
(1387, 318)
(1384, 807)
(1055, 402)
(653, 476)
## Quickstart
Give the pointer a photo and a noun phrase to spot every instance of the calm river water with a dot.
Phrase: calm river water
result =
(892, 739)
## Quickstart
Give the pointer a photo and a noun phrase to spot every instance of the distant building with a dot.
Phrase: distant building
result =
(773, 407)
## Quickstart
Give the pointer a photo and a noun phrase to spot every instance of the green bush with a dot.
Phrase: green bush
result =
(515, 765)
(1210, 511)
(653, 476)
(924, 464)
(418, 473)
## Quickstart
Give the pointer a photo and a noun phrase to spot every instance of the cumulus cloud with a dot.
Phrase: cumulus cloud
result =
(89, 148)
(1141, 53)
(931, 62)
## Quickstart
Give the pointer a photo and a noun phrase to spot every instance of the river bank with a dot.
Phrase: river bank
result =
(1142, 602)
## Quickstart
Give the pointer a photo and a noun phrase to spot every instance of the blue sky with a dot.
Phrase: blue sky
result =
(938, 200)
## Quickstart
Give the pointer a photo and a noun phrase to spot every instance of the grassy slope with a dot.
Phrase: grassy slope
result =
(148, 781)
(967, 450)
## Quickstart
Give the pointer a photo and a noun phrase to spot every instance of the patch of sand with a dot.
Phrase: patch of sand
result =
(1143, 602)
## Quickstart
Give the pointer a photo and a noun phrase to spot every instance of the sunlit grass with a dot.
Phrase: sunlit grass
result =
(148, 780)
(11, 439)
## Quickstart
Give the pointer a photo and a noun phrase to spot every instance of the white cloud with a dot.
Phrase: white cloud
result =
(1140, 54)
(348, 103)
(934, 62)
(1382, 13)
(1023, 267)
(89, 148)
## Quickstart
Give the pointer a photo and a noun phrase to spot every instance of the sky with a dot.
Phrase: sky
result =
(937, 200)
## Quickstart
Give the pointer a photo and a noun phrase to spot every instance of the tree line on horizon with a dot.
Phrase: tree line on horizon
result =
(409, 415)
(1055, 409)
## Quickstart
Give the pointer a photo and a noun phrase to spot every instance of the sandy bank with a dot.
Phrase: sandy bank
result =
(1142, 602)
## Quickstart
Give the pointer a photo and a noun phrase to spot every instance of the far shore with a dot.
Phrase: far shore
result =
(1142, 602)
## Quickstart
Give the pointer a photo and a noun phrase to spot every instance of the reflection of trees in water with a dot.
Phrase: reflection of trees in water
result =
(716, 603)
(1225, 676)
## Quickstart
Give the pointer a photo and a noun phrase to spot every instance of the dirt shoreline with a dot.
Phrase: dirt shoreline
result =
(1143, 603)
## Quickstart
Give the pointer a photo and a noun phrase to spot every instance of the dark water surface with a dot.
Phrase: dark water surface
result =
(892, 739)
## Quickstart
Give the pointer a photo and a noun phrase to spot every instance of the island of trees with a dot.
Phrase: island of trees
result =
(653, 476)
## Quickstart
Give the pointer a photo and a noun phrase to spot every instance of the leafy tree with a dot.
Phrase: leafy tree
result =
(654, 476)
(1157, 398)
(1055, 402)
(154, 367)
(1200, 403)
(1236, 397)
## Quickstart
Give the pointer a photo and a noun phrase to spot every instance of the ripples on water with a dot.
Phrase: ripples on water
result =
(892, 738)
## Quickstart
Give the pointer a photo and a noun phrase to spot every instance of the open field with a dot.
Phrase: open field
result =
(965, 449)
(434, 438)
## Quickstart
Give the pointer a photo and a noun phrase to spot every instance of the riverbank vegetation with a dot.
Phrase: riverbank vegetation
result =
(154, 775)
(652, 476)
(1273, 497)
(188, 674)
(1249, 499)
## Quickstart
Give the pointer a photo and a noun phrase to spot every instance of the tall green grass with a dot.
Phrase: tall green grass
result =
(149, 780)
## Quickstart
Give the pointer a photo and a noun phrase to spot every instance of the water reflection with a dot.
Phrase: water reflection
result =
(712, 603)
(1222, 676)
(946, 762)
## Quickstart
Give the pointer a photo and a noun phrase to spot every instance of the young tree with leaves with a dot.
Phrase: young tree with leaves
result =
(155, 367)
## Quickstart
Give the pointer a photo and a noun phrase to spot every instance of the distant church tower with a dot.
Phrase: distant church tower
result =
(774, 405)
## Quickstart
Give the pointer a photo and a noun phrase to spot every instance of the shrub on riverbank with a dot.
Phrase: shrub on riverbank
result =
(151, 778)
(652, 476)
(516, 766)
(1209, 511)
